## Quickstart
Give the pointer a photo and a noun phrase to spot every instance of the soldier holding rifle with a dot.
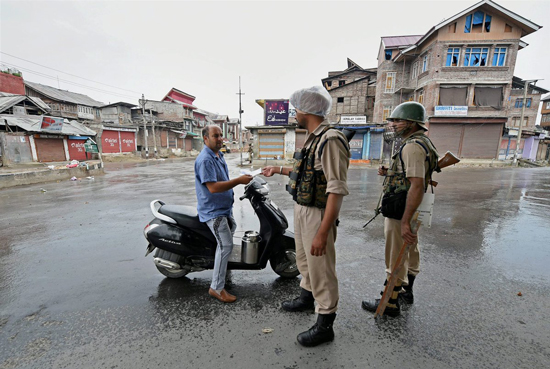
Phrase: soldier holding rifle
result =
(406, 181)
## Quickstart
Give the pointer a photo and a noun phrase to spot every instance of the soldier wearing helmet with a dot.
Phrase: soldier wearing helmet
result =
(406, 181)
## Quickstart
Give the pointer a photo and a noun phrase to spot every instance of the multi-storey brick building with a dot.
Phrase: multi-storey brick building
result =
(543, 152)
(462, 71)
(545, 113)
(353, 91)
(66, 104)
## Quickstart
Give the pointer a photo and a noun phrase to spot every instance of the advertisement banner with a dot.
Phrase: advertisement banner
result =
(276, 112)
(453, 111)
(51, 124)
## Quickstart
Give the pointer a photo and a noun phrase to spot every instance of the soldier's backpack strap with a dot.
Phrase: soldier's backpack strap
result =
(344, 142)
(423, 145)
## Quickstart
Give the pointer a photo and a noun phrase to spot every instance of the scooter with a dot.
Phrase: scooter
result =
(186, 245)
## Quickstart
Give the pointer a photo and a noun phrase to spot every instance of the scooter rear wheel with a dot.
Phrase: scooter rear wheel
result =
(170, 257)
(289, 257)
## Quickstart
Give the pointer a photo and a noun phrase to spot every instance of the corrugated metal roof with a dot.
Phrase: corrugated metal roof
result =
(62, 95)
(399, 41)
(121, 103)
(33, 123)
(8, 100)
(180, 102)
(38, 101)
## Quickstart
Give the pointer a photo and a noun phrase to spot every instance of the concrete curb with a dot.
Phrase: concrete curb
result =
(48, 175)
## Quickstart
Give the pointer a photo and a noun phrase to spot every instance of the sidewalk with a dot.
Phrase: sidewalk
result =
(22, 174)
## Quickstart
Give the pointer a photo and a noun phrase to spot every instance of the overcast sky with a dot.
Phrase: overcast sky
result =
(203, 47)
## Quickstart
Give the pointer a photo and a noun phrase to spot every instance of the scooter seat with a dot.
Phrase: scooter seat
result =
(187, 216)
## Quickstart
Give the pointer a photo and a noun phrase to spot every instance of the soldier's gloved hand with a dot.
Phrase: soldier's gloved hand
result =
(382, 171)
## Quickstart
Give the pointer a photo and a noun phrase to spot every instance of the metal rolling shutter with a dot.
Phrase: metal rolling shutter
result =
(76, 149)
(446, 137)
(356, 146)
(188, 143)
(271, 145)
(481, 141)
(128, 141)
(375, 145)
(50, 149)
(110, 142)
(300, 139)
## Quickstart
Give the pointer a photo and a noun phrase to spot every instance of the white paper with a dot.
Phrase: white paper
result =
(253, 174)
(425, 210)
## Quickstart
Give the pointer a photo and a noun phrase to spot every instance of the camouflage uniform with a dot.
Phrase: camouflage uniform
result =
(418, 163)
(319, 272)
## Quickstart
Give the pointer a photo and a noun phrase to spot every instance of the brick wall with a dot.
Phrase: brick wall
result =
(12, 84)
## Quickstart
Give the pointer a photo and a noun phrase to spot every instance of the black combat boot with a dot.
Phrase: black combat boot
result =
(407, 295)
(321, 331)
(392, 309)
(304, 302)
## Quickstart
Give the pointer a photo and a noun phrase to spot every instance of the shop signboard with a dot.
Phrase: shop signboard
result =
(51, 124)
(91, 146)
(276, 112)
(452, 111)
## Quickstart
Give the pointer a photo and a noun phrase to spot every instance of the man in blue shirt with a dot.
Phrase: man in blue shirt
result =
(215, 204)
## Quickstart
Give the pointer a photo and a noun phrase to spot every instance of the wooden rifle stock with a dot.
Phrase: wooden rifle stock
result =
(448, 159)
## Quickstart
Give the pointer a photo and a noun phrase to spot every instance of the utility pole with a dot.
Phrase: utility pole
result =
(144, 126)
(153, 131)
(518, 140)
(240, 122)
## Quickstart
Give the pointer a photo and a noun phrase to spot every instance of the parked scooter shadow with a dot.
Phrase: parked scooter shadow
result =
(189, 296)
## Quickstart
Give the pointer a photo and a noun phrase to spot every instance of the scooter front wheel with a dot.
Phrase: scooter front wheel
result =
(285, 264)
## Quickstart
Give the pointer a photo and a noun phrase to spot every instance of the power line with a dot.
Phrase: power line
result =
(73, 75)
(68, 82)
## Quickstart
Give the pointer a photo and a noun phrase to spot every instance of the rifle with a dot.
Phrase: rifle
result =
(447, 160)
(388, 290)
(376, 212)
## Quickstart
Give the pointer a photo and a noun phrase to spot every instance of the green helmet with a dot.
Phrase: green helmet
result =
(411, 111)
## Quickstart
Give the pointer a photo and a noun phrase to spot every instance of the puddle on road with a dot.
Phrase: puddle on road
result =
(518, 243)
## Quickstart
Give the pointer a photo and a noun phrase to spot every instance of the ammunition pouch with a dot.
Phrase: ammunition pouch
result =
(393, 205)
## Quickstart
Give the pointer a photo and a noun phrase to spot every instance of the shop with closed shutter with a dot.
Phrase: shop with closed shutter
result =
(272, 143)
(300, 138)
(471, 138)
(127, 141)
(49, 148)
(76, 147)
(118, 140)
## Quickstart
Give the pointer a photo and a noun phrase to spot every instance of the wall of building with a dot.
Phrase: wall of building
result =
(117, 114)
(12, 84)
(169, 111)
(358, 100)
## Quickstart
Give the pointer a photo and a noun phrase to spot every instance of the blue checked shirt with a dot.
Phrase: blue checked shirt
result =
(211, 168)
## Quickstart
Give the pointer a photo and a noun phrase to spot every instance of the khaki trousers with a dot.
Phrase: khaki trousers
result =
(394, 242)
(318, 272)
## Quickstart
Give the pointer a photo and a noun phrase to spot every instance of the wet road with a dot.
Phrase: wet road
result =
(76, 291)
